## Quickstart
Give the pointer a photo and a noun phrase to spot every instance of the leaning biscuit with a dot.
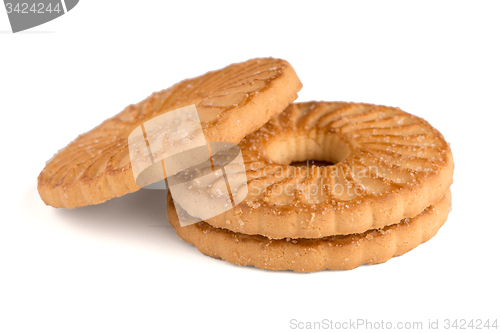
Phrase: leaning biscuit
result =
(309, 255)
(387, 165)
(231, 103)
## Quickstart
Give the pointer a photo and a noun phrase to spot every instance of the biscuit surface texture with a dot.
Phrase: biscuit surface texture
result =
(231, 103)
(309, 255)
(386, 165)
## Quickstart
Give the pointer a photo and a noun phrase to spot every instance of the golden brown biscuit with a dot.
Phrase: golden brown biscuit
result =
(388, 165)
(231, 102)
(309, 255)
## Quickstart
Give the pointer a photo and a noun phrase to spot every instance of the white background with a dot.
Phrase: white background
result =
(119, 266)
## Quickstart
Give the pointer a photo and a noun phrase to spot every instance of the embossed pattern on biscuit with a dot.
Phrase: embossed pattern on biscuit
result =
(387, 165)
(231, 103)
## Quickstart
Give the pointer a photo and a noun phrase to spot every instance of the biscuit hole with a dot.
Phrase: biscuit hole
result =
(303, 151)
(310, 163)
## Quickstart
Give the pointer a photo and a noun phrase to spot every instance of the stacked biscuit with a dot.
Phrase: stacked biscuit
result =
(381, 190)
